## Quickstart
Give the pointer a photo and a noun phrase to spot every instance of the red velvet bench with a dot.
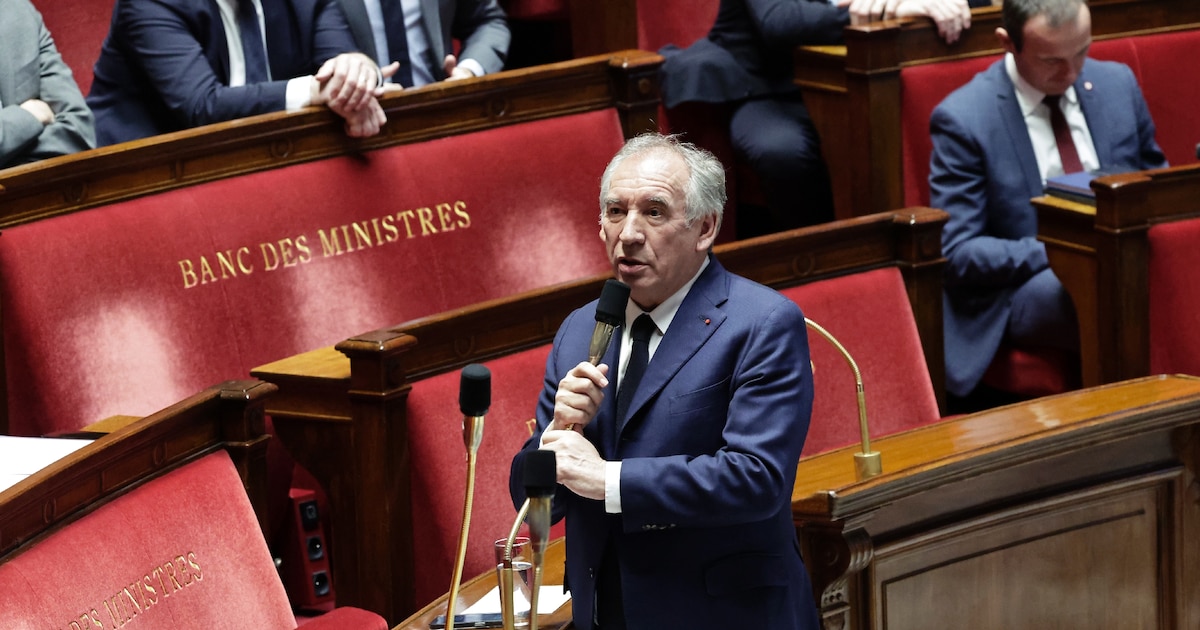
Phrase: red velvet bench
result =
(375, 418)
(152, 523)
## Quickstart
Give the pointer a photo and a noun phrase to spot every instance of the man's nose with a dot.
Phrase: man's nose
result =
(631, 229)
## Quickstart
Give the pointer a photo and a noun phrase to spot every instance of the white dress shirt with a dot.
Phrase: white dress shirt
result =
(1041, 135)
(299, 89)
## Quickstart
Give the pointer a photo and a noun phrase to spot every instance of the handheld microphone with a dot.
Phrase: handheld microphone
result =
(541, 478)
(610, 313)
(474, 398)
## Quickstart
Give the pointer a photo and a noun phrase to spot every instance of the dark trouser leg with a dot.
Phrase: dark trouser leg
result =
(776, 138)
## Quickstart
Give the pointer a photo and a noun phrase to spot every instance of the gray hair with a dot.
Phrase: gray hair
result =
(705, 188)
(1016, 13)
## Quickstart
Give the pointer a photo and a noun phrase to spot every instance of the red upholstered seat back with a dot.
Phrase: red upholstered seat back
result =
(679, 22)
(184, 288)
(78, 28)
(535, 9)
(869, 313)
(921, 89)
(440, 472)
(1164, 65)
(1173, 274)
(181, 551)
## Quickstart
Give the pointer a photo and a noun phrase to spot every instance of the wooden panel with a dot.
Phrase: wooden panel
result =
(1101, 255)
(1043, 468)
(625, 80)
(1089, 560)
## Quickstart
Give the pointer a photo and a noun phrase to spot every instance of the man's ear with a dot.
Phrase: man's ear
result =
(708, 233)
(1005, 41)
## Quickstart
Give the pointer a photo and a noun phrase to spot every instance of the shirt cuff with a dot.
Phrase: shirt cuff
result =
(612, 487)
(473, 66)
(299, 92)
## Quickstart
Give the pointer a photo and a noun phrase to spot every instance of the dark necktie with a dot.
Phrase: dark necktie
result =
(252, 43)
(397, 41)
(1062, 136)
(643, 327)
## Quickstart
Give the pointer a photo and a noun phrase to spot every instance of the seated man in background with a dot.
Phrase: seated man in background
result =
(168, 65)
(746, 61)
(422, 40)
(43, 113)
(1042, 110)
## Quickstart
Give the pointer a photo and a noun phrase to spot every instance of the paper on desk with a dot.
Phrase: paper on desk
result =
(550, 598)
(23, 456)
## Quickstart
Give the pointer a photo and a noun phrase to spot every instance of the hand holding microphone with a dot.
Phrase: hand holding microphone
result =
(610, 314)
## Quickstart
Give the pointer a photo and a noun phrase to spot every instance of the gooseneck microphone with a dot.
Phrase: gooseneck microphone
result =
(610, 313)
(474, 398)
(541, 478)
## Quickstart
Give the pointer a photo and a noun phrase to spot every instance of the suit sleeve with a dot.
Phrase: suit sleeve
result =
(785, 24)
(481, 27)
(750, 477)
(22, 137)
(958, 184)
(174, 61)
(1149, 153)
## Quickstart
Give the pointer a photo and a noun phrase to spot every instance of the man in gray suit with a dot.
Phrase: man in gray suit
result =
(42, 113)
(995, 142)
(420, 34)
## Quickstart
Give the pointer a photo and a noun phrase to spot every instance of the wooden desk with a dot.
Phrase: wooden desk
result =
(1101, 255)
(227, 416)
(475, 588)
(853, 91)
(1077, 510)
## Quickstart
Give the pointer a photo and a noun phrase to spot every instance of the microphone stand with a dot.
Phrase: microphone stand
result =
(475, 396)
(867, 463)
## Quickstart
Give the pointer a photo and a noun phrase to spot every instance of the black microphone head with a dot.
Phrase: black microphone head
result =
(613, 298)
(475, 390)
(540, 473)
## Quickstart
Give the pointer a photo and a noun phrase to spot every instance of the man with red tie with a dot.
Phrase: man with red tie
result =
(1042, 110)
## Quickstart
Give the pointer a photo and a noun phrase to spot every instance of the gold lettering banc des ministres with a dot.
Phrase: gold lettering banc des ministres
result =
(293, 251)
(142, 594)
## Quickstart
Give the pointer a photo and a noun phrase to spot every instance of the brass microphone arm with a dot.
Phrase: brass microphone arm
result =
(472, 436)
(867, 463)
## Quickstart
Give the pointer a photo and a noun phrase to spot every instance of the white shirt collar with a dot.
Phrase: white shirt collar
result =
(665, 312)
(1029, 97)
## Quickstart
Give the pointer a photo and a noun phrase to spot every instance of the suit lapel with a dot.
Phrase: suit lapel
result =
(431, 18)
(1009, 111)
(699, 316)
(1094, 113)
(360, 25)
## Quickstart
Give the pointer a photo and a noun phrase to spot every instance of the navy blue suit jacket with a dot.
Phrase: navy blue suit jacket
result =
(164, 65)
(748, 52)
(983, 172)
(709, 450)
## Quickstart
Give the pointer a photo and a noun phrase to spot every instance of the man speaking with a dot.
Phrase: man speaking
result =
(676, 455)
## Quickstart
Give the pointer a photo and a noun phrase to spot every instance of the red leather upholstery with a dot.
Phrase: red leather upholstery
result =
(78, 29)
(679, 22)
(1173, 302)
(439, 466)
(182, 551)
(869, 313)
(921, 89)
(191, 285)
(1166, 71)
